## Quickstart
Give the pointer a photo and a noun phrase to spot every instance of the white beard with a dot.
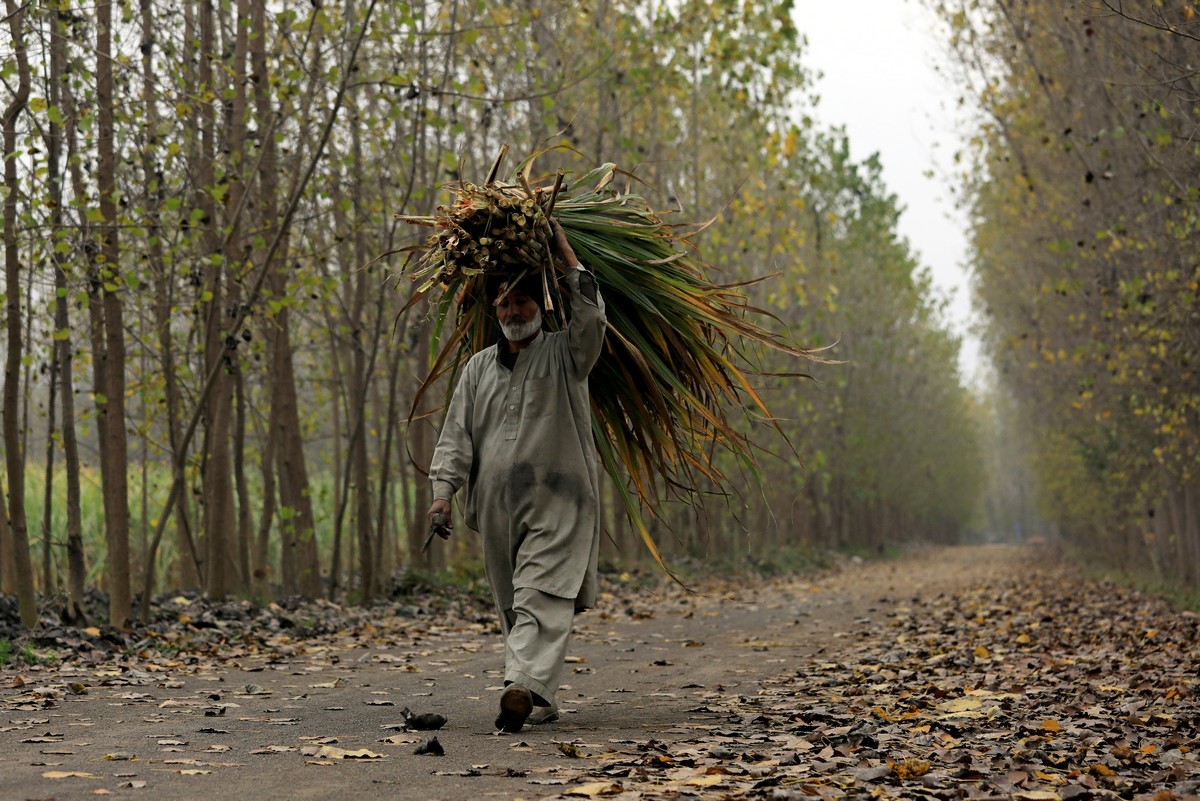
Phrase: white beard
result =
(518, 331)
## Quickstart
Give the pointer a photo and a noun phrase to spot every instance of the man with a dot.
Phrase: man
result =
(518, 435)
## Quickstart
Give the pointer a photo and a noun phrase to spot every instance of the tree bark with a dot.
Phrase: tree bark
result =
(186, 567)
(14, 451)
(108, 338)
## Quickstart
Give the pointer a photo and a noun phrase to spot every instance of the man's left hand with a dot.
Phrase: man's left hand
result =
(561, 246)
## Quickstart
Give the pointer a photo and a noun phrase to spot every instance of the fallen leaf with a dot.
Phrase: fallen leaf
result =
(330, 752)
(68, 774)
(595, 788)
(569, 749)
(911, 768)
(431, 747)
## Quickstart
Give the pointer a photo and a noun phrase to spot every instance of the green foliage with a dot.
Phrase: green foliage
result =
(1084, 253)
(706, 101)
(24, 654)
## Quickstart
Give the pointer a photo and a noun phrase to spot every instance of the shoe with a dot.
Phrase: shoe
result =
(543, 714)
(515, 705)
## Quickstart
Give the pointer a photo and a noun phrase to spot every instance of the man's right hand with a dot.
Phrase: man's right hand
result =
(563, 248)
(441, 506)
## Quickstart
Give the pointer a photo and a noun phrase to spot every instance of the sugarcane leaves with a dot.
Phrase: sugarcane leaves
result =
(673, 370)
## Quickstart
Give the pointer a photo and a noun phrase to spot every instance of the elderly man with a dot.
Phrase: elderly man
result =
(518, 435)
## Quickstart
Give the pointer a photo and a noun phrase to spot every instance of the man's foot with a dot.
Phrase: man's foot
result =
(543, 714)
(515, 705)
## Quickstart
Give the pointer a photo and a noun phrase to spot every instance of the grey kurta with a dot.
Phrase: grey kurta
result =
(521, 443)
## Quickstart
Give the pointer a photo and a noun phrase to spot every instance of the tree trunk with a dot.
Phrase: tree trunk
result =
(63, 348)
(13, 451)
(384, 547)
(186, 567)
(109, 335)
(301, 568)
(421, 439)
(219, 521)
(48, 482)
(261, 572)
(276, 282)
(238, 263)
(245, 518)
(8, 573)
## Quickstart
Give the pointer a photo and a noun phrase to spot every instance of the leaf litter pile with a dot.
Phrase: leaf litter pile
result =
(1042, 687)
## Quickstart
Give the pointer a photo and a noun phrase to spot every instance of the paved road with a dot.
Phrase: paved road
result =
(640, 669)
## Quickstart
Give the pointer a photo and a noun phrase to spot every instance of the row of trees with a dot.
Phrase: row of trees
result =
(200, 313)
(1083, 190)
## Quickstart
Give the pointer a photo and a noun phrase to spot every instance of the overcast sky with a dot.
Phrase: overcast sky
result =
(876, 59)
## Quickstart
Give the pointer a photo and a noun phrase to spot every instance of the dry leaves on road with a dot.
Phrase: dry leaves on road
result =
(1039, 689)
(1042, 688)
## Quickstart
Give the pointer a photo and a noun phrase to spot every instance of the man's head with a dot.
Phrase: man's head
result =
(519, 309)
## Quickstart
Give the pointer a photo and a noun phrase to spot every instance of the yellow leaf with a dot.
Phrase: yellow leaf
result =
(982, 653)
(965, 704)
(68, 774)
(1051, 725)
(329, 752)
(910, 768)
(705, 781)
(194, 772)
(1024, 639)
(92, 631)
(595, 788)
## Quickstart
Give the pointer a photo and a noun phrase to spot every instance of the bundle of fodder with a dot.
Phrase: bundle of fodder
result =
(672, 371)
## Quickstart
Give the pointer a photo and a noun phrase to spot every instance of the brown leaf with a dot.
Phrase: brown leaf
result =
(569, 749)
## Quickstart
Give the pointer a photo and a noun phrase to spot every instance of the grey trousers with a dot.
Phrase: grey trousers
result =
(536, 631)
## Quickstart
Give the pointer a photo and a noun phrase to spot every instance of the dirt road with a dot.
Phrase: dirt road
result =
(929, 675)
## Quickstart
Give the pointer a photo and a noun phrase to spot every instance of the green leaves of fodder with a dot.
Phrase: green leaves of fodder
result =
(674, 371)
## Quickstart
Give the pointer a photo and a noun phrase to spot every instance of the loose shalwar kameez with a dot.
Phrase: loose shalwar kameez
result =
(520, 441)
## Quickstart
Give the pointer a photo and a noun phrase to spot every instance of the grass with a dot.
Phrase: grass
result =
(141, 529)
(12, 653)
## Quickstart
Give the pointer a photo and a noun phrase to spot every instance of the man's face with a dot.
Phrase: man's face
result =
(519, 315)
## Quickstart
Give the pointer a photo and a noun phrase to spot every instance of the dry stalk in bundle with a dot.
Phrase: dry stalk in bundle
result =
(494, 228)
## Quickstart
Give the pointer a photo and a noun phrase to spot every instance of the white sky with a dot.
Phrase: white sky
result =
(875, 60)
